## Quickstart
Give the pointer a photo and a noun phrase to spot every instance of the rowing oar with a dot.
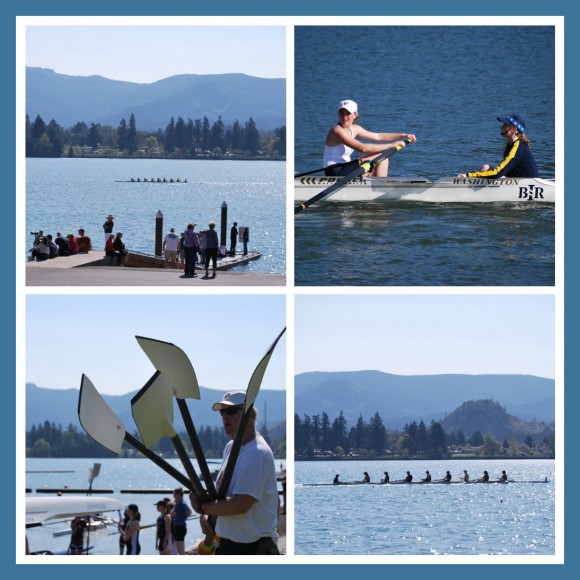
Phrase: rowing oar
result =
(206, 546)
(365, 167)
(181, 381)
(153, 414)
(101, 423)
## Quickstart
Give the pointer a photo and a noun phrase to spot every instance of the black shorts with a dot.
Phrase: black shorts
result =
(262, 547)
(179, 532)
(339, 169)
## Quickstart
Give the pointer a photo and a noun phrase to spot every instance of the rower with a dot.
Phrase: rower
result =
(465, 475)
(504, 476)
(409, 477)
(485, 476)
(427, 478)
(367, 478)
(447, 477)
(336, 482)
(386, 480)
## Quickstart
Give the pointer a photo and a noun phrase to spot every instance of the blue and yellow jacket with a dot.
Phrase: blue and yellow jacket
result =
(519, 162)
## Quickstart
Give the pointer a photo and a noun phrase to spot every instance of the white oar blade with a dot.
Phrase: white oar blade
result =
(97, 418)
(258, 374)
(152, 409)
(174, 364)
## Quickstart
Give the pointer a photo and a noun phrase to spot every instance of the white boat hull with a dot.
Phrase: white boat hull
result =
(447, 190)
(40, 509)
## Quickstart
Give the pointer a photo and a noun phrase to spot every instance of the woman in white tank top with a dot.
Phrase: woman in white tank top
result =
(343, 139)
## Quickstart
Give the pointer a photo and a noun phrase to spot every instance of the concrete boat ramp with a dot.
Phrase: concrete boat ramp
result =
(95, 269)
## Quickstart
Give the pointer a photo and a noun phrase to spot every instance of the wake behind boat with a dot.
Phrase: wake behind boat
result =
(446, 190)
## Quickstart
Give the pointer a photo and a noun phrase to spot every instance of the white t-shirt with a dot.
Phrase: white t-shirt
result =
(171, 242)
(255, 475)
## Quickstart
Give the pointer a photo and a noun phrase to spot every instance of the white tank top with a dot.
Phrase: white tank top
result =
(337, 153)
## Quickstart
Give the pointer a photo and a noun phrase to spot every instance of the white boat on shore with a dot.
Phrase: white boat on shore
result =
(446, 190)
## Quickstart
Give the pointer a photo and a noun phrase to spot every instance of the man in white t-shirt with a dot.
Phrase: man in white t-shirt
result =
(247, 518)
(170, 245)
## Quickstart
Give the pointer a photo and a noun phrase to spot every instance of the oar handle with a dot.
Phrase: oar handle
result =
(168, 468)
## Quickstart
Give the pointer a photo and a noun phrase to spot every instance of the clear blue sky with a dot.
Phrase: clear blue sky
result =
(426, 334)
(145, 54)
(224, 336)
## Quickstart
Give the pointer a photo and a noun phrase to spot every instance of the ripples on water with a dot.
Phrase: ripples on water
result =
(437, 86)
(66, 194)
(411, 520)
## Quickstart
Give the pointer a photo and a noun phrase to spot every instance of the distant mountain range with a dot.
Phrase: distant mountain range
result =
(400, 399)
(95, 99)
(59, 406)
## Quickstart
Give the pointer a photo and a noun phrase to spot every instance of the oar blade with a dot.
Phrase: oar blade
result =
(152, 409)
(258, 374)
(98, 419)
(175, 366)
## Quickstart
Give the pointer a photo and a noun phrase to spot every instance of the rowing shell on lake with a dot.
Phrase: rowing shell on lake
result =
(446, 190)
(346, 483)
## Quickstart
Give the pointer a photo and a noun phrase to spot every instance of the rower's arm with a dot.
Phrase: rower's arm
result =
(230, 506)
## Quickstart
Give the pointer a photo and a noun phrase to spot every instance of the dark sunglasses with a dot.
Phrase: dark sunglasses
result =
(230, 411)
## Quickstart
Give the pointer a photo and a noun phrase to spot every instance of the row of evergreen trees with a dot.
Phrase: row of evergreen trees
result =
(184, 138)
(51, 440)
(317, 435)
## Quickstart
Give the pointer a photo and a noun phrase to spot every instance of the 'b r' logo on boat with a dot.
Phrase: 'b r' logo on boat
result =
(531, 192)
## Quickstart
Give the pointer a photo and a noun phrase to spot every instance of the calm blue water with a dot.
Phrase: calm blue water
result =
(515, 519)
(66, 194)
(447, 85)
(115, 474)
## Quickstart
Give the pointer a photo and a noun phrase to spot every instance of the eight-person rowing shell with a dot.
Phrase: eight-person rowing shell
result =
(343, 139)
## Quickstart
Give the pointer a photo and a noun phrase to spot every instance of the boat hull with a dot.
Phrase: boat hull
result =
(447, 190)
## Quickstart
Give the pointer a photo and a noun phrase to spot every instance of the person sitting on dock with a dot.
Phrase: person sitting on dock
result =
(246, 519)
(85, 244)
(409, 477)
(40, 250)
(484, 477)
(62, 243)
(119, 247)
(73, 244)
(386, 479)
(427, 478)
(503, 476)
(335, 481)
(52, 247)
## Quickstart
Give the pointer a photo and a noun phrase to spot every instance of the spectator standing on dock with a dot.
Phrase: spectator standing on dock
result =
(108, 227)
(73, 244)
(233, 238)
(77, 536)
(119, 247)
(170, 247)
(246, 239)
(181, 250)
(203, 242)
(180, 513)
(122, 525)
(191, 246)
(247, 517)
(211, 248)
(131, 533)
(85, 243)
(163, 535)
(62, 243)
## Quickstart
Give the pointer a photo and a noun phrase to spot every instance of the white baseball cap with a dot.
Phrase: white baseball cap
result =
(350, 106)
(231, 399)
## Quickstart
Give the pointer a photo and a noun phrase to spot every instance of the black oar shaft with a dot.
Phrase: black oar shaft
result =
(168, 468)
(365, 167)
(186, 462)
(197, 449)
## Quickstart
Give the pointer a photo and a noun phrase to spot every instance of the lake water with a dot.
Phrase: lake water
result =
(447, 85)
(66, 194)
(116, 474)
(513, 519)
